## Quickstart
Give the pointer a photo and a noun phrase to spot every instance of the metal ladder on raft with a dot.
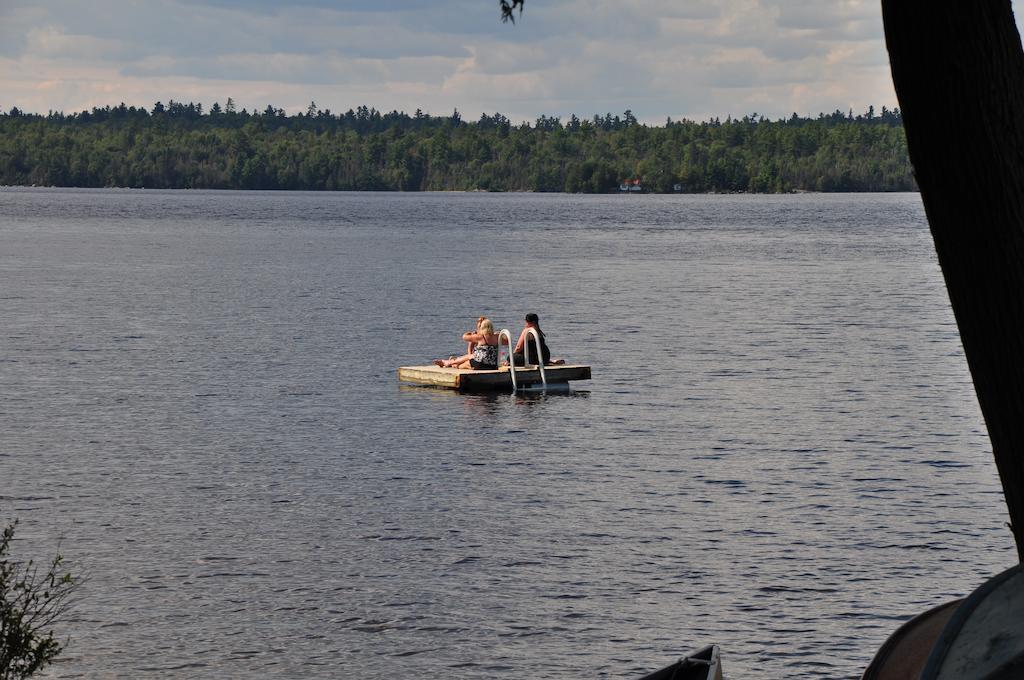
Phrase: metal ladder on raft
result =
(535, 337)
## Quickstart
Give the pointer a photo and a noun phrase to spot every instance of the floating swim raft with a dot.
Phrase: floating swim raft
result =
(474, 380)
(530, 376)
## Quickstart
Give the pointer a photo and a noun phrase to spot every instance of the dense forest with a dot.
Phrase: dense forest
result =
(184, 146)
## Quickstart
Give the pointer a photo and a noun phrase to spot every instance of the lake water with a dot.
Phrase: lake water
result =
(780, 451)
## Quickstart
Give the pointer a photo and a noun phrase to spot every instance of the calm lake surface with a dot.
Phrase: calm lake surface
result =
(780, 451)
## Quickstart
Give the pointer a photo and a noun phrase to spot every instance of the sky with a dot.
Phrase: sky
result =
(693, 59)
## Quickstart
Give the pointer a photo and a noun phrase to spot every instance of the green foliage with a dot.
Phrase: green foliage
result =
(30, 603)
(179, 146)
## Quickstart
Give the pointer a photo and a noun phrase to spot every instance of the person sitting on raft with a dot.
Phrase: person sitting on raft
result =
(484, 356)
(471, 345)
(518, 354)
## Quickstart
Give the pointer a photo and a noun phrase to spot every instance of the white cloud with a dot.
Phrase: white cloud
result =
(691, 59)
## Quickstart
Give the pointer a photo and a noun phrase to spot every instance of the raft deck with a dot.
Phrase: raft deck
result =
(467, 379)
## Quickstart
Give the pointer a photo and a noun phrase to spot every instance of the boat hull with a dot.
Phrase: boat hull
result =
(704, 664)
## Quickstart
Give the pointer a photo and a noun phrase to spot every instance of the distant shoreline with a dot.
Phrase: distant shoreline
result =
(183, 147)
(459, 191)
(440, 190)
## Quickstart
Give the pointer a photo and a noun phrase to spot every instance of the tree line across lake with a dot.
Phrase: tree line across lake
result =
(177, 146)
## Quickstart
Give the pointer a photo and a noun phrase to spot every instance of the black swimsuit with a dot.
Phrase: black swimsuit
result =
(519, 358)
(485, 357)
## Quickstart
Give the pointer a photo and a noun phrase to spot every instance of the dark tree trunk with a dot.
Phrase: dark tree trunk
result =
(958, 68)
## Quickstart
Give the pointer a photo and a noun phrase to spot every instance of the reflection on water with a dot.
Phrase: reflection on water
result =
(780, 450)
(492, 403)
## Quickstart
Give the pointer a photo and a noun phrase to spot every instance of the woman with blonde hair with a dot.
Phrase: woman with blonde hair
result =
(479, 320)
(483, 346)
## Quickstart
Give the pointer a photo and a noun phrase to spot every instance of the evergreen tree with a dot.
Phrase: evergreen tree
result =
(181, 145)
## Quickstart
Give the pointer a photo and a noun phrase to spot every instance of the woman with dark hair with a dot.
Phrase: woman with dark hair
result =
(518, 354)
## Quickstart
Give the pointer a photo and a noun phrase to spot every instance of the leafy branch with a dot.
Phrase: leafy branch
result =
(507, 9)
(32, 600)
